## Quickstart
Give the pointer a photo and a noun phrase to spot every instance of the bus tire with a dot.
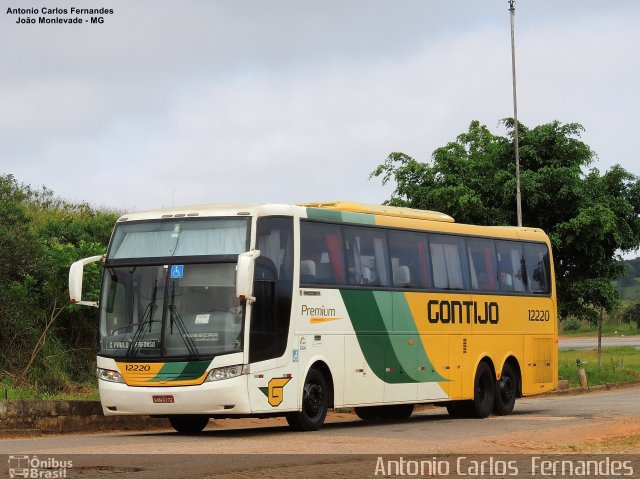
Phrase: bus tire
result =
(458, 409)
(483, 392)
(189, 423)
(315, 403)
(506, 390)
(396, 412)
(367, 413)
(393, 412)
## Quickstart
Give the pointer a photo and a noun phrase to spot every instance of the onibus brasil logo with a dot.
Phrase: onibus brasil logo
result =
(34, 467)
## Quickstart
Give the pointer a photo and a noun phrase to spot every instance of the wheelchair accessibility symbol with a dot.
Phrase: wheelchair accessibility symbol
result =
(177, 271)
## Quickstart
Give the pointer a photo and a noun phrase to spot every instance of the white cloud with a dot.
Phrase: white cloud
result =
(297, 101)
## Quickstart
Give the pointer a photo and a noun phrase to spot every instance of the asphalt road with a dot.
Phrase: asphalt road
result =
(346, 446)
(591, 343)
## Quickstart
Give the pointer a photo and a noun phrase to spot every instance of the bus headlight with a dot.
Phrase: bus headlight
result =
(109, 375)
(225, 373)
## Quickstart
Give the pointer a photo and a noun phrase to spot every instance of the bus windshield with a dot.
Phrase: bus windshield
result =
(145, 313)
(186, 237)
(169, 289)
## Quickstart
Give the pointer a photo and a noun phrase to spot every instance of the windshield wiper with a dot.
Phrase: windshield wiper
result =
(174, 316)
(148, 314)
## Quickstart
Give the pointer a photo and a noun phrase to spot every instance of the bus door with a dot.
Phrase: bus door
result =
(272, 381)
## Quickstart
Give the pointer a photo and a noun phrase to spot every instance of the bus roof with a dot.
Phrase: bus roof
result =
(385, 215)
(382, 210)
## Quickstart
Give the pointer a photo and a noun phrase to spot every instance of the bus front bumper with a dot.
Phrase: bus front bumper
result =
(228, 396)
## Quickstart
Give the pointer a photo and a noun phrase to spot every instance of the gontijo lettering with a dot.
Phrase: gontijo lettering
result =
(450, 312)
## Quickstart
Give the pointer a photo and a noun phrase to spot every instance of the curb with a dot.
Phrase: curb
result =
(46, 417)
(580, 390)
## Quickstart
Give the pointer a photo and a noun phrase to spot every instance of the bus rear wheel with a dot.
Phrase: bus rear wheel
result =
(458, 409)
(189, 424)
(315, 403)
(367, 413)
(483, 392)
(506, 387)
(394, 412)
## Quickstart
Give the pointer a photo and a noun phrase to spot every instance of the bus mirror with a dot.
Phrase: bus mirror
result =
(244, 275)
(76, 273)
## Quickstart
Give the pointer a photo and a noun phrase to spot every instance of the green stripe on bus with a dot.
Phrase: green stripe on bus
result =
(373, 337)
(403, 321)
(181, 371)
(388, 336)
(340, 216)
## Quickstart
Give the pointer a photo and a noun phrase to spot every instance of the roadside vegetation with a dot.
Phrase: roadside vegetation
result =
(585, 329)
(47, 345)
(619, 365)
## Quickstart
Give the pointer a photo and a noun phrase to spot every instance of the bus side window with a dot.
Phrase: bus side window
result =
(367, 260)
(321, 254)
(536, 257)
(511, 267)
(448, 260)
(482, 263)
(409, 259)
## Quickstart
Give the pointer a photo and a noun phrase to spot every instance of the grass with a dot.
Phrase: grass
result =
(619, 365)
(609, 330)
(10, 392)
(631, 442)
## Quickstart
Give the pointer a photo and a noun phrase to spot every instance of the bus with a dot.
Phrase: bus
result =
(264, 310)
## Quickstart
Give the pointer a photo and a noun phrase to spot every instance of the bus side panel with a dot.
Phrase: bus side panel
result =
(540, 369)
(361, 385)
(273, 388)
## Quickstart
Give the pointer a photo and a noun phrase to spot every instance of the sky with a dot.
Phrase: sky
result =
(232, 101)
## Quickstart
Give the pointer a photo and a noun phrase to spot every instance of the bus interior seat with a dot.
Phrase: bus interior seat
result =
(366, 275)
(324, 273)
(401, 276)
(307, 271)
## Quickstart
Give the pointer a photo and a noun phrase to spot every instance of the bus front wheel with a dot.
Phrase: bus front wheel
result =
(189, 424)
(315, 402)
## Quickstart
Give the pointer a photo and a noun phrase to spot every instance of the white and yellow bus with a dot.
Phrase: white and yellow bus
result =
(279, 310)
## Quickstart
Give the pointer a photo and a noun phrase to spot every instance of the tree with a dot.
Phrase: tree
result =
(588, 216)
(42, 337)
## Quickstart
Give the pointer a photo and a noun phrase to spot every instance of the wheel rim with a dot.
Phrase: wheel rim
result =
(313, 400)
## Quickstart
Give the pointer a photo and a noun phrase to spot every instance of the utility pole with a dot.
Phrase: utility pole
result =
(512, 10)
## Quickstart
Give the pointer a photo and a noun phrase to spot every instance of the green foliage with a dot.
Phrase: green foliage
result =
(44, 339)
(571, 324)
(619, 364)
(588, 216)
(628, 284)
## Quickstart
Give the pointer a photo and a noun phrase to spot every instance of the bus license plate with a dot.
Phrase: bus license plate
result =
(163, 399)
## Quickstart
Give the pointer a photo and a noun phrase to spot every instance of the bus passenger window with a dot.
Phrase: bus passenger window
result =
(321, 254)
(482, 263)
(447, 260)
(367, 260)
(511, 271)
(409, 259)
(537, 260)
